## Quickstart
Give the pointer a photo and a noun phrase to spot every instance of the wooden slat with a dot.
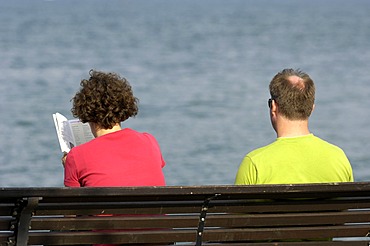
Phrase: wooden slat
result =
(288, 219)
(4, 236)
(294, 206)
(114, 222)
(225, 235)
(5, 223)
(182, 221)
(278, 206)
(6, 209)
(256, 191)
(108, 207)
(154, 236)
(285, 233)
(302, 243)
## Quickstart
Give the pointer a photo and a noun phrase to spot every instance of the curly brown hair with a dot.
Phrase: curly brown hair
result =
(105, 99)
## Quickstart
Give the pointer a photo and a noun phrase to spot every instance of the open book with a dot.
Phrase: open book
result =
(71, 132)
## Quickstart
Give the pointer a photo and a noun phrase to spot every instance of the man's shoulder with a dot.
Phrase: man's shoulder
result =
(271, 147)
(324, 143)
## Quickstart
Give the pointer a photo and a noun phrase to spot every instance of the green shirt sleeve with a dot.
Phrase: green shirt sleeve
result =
(247, 173)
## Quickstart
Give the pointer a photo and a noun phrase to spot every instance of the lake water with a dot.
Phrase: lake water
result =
(200, 68)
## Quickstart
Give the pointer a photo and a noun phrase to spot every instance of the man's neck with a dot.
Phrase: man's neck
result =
(292, 128)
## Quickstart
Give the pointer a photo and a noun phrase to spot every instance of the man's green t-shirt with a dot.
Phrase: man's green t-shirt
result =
(305, 159)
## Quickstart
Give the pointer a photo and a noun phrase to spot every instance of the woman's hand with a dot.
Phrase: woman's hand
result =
(64, 157)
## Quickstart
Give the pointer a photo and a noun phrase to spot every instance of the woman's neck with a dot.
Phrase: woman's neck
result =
(97, 131)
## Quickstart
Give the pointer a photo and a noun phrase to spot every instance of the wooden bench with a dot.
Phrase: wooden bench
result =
(261, 215)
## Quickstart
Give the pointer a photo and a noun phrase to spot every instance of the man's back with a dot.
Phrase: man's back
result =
(303, 159)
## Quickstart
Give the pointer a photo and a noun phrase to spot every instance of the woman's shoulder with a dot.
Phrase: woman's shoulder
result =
(130, 131)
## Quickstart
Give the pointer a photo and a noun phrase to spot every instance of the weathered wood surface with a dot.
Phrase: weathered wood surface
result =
(201, 215)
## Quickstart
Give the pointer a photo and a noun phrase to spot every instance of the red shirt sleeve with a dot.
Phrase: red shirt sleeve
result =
(70, 172)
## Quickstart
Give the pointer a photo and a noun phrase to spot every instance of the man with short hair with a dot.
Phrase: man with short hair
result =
(296, 156)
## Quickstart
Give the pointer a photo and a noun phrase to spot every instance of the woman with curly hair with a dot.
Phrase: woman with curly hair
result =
(116, 157)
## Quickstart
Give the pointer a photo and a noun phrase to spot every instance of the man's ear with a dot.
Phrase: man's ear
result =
(274, 106)
(313, 108)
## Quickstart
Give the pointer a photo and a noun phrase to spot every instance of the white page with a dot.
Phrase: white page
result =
(64, 136)
(81, 131)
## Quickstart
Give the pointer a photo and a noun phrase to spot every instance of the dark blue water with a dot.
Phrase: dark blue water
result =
(200, 68)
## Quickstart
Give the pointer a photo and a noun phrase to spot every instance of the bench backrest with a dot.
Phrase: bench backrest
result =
(262, 214)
